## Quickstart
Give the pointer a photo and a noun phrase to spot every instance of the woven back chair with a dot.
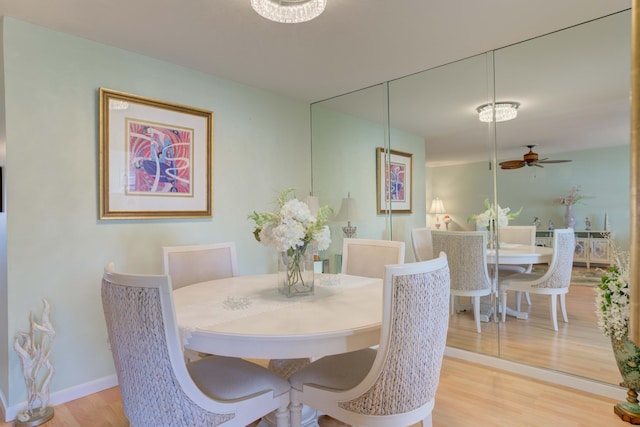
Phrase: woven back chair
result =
(467, 253)
(157, 387)
(199, 263)
(422, 244)
(396, 384)
(367, 257)
(555, 281)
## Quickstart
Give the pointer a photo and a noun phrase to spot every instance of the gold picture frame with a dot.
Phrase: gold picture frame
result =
(155, 158)
(394, 173)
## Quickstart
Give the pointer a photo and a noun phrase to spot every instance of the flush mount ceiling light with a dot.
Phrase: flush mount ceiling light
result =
(289, 11)
(504, 111)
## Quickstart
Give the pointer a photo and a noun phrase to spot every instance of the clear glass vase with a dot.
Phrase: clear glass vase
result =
(295, 272)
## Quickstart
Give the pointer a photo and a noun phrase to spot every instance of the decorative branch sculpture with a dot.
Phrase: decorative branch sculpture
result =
(33, 348)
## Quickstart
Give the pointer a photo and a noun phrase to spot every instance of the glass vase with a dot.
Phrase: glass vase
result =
(569, 219)
(295, 272)
(627, 356)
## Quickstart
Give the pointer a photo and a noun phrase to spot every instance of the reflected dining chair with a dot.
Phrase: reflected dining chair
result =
(518, 234)
(367, 257)
(422, 244)
(555, 281)
(157, 387)
(396, 384)
(467, 253)
(199, 263)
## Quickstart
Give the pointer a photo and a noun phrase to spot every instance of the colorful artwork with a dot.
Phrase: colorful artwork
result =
(159, 159)
(395, 182)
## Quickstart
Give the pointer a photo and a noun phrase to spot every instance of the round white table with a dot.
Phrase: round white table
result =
(344, 314)
(514, 253)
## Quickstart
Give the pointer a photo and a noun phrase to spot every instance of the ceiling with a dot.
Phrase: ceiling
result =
(354, 44)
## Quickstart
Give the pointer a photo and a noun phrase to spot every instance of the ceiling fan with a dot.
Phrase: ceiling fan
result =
(529, 159)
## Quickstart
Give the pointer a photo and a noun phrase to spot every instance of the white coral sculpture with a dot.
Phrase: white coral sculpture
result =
(34, 350)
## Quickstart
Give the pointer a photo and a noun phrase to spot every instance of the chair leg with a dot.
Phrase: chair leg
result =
(528, 297)
(428, 421)
(453, 304)
(295, 413)
(476, 312)
(504, 306)
(518, 299)
(554, 314)
(563, 307)
(282, 416)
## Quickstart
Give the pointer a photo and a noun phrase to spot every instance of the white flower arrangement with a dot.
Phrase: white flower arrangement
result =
(292, 227)
(503, 215)
(612, 297)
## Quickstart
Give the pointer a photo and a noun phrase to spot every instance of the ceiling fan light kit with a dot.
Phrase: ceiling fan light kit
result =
(529, 159)
(504, 111)
(289, 11)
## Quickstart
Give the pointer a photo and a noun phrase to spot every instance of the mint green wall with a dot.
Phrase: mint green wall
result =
(602, 174)
(56, 246)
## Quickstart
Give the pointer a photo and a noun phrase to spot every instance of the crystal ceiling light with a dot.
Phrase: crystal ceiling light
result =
(504, 111)
(289, 11)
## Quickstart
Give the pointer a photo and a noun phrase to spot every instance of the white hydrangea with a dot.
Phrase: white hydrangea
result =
(292, 226)
(612, 297)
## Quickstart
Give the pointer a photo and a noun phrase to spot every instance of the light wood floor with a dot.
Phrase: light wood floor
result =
(468, 395)
(577, 348)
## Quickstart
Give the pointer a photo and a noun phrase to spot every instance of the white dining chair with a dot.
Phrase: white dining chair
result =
(367, 257)
(157, 387)
(467, 253)
(396, 384)
(199, 263)
(517, 234)
(555, 281)
(422, 244)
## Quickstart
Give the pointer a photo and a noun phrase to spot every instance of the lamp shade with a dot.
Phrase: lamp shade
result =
(348, 211)
(314, 204)
(437, 207)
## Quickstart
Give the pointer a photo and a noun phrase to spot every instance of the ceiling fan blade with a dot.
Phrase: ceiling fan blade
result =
(536, 165)
(553, 161)
(512, 164)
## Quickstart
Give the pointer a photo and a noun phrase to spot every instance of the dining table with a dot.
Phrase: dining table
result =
(246, 316)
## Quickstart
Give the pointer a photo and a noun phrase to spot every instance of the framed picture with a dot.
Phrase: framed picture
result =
(394, 173)
(155, 158)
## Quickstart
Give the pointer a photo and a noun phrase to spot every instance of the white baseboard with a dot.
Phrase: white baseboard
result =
(63, 396)
(555, 377)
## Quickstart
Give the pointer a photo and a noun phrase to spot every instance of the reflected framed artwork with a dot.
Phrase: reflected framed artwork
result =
(155, 158)
(394, 174)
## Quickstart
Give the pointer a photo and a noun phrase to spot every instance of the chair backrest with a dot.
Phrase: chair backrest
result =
(558, 275)
(406, 372)
(199, 263)
(467, 254)
(422, 244)
(367, 258)
(143, 337)
(522, 234)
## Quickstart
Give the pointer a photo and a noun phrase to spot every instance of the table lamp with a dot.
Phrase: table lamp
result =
(348, 212)
(437, 207)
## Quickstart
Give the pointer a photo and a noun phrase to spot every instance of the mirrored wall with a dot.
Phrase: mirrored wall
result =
(573, 90)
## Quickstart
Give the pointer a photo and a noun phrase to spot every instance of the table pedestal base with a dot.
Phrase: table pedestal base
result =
(285, 368)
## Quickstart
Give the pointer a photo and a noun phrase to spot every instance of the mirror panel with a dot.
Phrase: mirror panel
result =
(573, 88)
(345, 133)
(438, 106)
